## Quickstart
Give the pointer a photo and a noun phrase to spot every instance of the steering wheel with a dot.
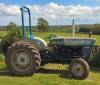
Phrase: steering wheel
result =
(51, 36)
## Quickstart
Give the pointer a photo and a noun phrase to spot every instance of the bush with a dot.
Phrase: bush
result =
(84, 29)
(9, 39)
(96, 29)
(2, 57)
(95, 62)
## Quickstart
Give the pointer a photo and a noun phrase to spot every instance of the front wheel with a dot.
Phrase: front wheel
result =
(79, 68)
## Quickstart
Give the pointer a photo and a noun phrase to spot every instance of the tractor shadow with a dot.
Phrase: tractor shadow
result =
(4, 72)
(61, 73)
(95, 70)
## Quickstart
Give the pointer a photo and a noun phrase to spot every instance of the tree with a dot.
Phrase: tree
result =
(42, 24)
(13, 34)
(84, 28)
(11, 26)
(96, 29)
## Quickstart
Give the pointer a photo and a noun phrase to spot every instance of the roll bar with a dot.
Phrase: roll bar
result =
(23, 10)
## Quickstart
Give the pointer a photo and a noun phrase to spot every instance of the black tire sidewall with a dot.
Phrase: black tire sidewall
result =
(31, 68)
(85, 66)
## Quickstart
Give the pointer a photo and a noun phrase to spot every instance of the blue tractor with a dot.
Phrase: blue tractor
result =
(25, 56)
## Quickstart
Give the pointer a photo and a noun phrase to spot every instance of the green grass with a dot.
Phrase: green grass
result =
(51, 74)
(66, 35)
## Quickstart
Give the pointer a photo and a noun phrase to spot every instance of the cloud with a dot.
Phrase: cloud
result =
(55, 11)
(9, 9)
(52, 12)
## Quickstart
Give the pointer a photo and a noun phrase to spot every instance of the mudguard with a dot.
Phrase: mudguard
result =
(39, 43)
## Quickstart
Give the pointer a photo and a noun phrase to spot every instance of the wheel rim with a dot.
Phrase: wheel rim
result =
(22, 60)
(77, 69)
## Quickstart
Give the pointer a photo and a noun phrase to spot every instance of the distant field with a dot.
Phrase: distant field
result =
(43, 35)
(51, 74)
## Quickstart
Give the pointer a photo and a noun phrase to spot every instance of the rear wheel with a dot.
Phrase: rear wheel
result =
(79, 68)
(22, 59)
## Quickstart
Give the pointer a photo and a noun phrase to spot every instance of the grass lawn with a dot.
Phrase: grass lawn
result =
(51, 74)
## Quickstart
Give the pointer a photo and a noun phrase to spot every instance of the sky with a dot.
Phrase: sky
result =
(56, 12)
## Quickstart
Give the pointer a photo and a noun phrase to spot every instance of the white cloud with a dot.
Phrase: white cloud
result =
(9, 9)
(53, 12)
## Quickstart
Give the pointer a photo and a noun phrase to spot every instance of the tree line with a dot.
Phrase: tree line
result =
(43, 26)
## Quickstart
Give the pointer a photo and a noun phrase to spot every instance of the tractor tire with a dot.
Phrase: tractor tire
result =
(79, 68)
(22, 59)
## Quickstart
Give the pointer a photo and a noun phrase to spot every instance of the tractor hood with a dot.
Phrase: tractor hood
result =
(73, 41)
